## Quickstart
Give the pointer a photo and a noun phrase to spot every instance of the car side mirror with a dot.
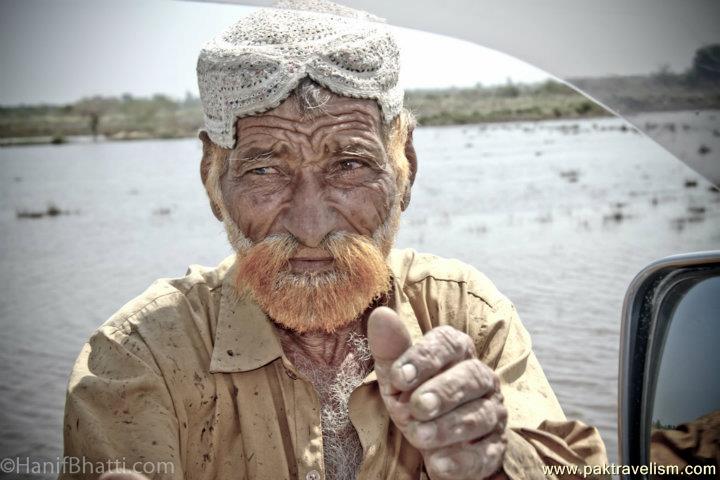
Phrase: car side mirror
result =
(669, 379)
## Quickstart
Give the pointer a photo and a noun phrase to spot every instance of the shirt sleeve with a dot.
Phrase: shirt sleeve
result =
(538, 433)
(118, 412)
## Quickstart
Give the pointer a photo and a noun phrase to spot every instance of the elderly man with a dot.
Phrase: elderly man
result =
(318, 350)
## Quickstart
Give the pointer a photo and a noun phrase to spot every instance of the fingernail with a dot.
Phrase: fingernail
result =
(445, 465)
(429, 402)
(425, 431)
(409, 372)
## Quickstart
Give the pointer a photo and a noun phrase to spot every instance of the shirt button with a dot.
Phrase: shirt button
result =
(312, 475)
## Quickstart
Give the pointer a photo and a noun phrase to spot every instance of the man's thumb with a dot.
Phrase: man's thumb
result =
(387, 336)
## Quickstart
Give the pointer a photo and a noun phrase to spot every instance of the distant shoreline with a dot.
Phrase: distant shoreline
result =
(160, 117)
(137, 136)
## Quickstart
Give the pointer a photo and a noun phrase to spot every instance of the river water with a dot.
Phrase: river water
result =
(560, 215)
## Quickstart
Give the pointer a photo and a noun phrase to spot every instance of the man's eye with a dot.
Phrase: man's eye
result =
(347, 165)
(262, 171)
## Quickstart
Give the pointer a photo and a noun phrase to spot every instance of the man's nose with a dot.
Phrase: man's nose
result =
(309, 217)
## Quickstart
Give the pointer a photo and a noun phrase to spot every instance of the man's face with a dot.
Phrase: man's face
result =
(316, 195)
(310, 176)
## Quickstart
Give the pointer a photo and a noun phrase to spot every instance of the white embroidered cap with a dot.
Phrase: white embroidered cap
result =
(255, 64)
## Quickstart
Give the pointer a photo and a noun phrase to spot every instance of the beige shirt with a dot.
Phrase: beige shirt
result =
(193, 374)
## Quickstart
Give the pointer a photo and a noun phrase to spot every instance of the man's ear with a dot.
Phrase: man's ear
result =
(205, 164)
(412, 161)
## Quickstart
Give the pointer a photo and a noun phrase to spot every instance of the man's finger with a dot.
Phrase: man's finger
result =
(388, 339)
(468, 422)
(466, 461)
(461, 383)
(440, 347)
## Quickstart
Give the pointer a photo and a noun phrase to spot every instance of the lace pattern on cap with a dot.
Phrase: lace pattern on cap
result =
(254, 65)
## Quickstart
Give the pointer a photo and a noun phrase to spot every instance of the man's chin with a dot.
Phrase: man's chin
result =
(317, 300)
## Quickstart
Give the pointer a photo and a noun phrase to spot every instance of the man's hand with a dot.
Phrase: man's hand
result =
(445, 401)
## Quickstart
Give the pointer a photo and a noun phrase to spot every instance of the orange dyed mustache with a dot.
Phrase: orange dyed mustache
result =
(324, 301)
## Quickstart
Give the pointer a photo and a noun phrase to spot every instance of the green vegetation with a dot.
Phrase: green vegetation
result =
(657, 424)
(663, 90)
(509, 102)
(123, 118)
(706, 64)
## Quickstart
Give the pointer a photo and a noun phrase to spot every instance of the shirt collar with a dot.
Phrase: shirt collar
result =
(245, 338)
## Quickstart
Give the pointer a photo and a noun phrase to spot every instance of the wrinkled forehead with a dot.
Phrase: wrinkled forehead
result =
(335, 118)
